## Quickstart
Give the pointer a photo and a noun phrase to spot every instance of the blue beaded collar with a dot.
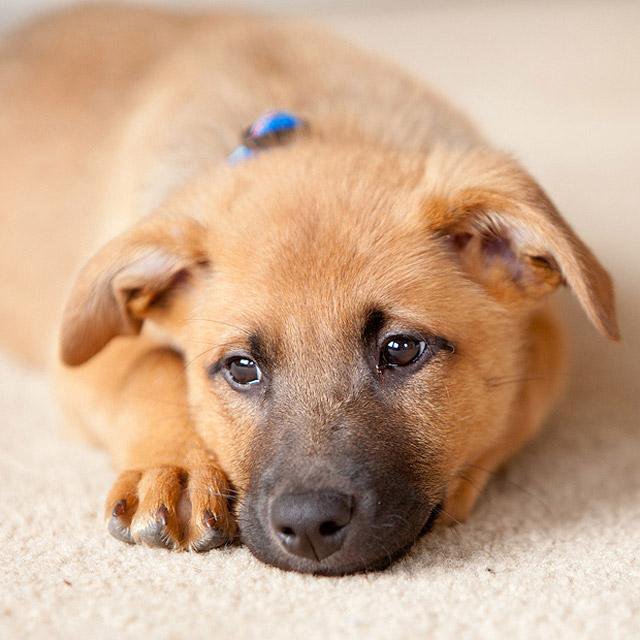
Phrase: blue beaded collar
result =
(270, 129)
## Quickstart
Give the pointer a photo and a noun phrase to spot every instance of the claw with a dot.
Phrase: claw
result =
(119, 508)
(116, 527)
(169, 509)
(210, 519)
(162, 515)
(155, 533)
(212, 537)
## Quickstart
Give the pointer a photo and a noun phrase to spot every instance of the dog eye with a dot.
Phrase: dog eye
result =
(400, 351)
(404, 350)
(242, 371)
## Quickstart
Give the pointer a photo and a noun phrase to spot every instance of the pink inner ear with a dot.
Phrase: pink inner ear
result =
(495, 247)
(459, 240)
(491, 247)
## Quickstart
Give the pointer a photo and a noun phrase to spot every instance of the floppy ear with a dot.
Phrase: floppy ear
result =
(133, 277)
(509, 235)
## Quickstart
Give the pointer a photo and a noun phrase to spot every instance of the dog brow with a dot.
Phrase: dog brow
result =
(374, 321)
(258, 348)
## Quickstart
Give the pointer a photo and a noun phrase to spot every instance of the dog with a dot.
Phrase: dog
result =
(320, 335)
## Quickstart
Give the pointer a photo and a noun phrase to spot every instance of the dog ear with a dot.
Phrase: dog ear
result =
(133, 277)
(509, 235)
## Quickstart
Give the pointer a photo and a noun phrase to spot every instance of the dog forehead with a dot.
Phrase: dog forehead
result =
(321, 225)
(316, 281)
(314, 249)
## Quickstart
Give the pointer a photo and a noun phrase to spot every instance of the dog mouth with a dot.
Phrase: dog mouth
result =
(364, 553)
(431, 520)
(336, 516)
(385, 562)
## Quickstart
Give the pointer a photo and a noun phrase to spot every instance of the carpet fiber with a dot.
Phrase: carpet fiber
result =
(552, 550)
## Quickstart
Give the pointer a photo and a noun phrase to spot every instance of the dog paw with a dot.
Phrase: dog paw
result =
(172, 508)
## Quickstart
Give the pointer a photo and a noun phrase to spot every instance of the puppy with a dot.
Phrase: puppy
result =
(324, 344)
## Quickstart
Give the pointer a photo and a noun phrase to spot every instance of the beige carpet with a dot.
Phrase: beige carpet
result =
(553, 550)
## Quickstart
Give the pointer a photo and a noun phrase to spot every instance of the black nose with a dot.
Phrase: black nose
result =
(311, 525)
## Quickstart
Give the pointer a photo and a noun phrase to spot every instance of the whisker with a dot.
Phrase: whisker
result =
(473, 484)
(499, 382)
(188, 363)
(457, 533)
(501, 477)
(226, 324)
(446, 513)
(502, 380)
(218, 494)
(163, 401)
(380, 541)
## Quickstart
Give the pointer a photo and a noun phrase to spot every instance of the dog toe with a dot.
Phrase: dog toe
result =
(212, 536)
(156, 522)
(122, 503)
(211, 523)
(117, 524)
(156, 532)
(172, 508)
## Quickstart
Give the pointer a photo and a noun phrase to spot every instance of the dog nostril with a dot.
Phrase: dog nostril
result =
(311, 525)
(329, 527)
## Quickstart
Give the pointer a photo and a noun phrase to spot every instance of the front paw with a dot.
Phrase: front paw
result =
(172, 507)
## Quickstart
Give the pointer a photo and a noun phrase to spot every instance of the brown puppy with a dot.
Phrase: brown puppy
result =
(332, 343)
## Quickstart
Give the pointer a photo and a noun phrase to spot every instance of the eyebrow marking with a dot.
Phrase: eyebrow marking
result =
(258, 348)
(374, 321)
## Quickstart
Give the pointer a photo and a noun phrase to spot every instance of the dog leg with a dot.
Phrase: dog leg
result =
(132, 399)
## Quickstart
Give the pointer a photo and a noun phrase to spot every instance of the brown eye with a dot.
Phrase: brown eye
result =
(242, 371)
(400, 351)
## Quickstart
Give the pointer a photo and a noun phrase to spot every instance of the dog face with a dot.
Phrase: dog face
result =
(342, 315)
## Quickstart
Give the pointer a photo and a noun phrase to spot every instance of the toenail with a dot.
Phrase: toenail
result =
(119, 508)
(210, 540)
(163, 515)
(210, 520)
(119, 530)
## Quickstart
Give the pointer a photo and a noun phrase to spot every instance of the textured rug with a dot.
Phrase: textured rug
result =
(553, 549)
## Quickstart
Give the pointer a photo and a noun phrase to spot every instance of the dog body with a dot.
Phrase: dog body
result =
(333, 343)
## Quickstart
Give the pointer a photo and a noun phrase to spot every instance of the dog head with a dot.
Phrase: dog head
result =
(341, 313)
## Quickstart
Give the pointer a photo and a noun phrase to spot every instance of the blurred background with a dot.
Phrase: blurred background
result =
(556, 83)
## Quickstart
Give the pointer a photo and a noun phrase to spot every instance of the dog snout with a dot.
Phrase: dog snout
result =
(312, 524)
(332, 515)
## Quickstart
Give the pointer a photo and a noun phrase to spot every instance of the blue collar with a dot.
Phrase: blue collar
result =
(270, 129)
